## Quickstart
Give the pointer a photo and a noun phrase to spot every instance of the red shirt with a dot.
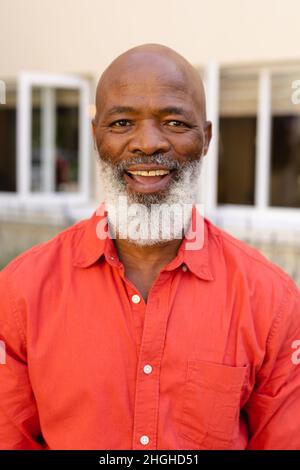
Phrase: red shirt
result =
(210, 362)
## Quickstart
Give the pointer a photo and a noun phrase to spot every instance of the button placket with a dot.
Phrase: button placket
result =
(136, 299)
(147, 369)
(148, 375)
(144, 440)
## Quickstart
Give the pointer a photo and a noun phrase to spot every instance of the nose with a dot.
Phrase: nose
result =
(148, 138)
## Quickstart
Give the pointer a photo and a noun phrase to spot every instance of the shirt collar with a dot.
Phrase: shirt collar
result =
(193, 251)
(91, 246)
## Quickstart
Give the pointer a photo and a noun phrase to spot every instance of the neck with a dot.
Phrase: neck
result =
(147, 257)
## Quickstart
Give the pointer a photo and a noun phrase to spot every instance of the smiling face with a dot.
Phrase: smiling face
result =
(150, 127)
(149, 105)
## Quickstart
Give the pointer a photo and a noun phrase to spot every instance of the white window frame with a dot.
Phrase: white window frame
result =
(24, 197)
(259, 219)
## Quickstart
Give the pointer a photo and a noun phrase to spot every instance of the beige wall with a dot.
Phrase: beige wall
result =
(84, 35)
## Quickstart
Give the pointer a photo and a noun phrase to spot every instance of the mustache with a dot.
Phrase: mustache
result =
(159, 159)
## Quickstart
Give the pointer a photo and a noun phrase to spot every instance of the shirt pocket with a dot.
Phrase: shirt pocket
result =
(211, 405)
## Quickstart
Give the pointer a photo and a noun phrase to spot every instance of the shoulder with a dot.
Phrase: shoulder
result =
(239, 255)
(36, 276)
(254, 287)
(248, 272)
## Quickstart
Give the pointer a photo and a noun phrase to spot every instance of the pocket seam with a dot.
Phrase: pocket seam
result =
(211, 434)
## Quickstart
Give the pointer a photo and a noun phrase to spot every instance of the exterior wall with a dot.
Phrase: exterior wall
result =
(83, 36)
(285, 255)
(16, 237)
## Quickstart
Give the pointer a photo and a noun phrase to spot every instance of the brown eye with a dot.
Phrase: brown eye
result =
(175, 123)
(121, 123)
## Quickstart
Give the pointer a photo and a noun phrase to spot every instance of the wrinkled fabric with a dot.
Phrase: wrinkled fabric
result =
(217, 335)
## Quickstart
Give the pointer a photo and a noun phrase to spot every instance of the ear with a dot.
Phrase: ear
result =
(207, 136)
(93, 122)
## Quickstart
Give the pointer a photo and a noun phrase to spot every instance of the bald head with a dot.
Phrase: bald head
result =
(151, 118)
(157, 64)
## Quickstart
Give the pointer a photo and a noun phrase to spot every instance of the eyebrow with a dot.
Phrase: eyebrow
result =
(120, 110)
(166, 110)
(176, 110)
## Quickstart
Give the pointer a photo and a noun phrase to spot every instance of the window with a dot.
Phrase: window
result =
(8, 142)
(285, 145)
(259, 139)
(45, 140)
(251, 175)
(237, 134)
(55, 140)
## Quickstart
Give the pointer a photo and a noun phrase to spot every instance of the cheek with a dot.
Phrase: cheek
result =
(189, 147)
(109, 148)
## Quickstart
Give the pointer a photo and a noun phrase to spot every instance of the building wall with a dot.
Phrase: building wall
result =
(16, 237)
(82, 36)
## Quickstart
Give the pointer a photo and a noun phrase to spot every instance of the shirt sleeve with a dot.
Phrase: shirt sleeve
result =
(274, 407)
(19, 421)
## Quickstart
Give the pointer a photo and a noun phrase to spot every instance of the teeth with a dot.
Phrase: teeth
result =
(150, 173)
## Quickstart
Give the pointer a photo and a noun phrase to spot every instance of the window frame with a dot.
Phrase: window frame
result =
(24, 197)
(261, 217)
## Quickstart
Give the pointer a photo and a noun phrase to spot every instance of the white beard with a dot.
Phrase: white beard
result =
(148, 219)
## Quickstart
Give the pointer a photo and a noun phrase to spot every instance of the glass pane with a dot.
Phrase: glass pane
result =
(237, 134)
(285, 144)
(8, 142)
(55, 140)
(236, 160)
(67, 140)
(36, 152)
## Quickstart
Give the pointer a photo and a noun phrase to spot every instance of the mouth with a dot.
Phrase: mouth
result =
(148, 178)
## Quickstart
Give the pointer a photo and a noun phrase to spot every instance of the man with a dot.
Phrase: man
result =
(147, 327)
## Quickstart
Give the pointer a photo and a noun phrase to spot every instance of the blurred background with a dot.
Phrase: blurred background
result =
(52, 53)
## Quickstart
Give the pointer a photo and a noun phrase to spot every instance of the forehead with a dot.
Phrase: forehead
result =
(148, 81)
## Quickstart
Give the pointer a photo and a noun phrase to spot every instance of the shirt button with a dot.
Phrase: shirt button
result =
(148, 369)
(135, 299)
(144, 440)
(184, 268)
